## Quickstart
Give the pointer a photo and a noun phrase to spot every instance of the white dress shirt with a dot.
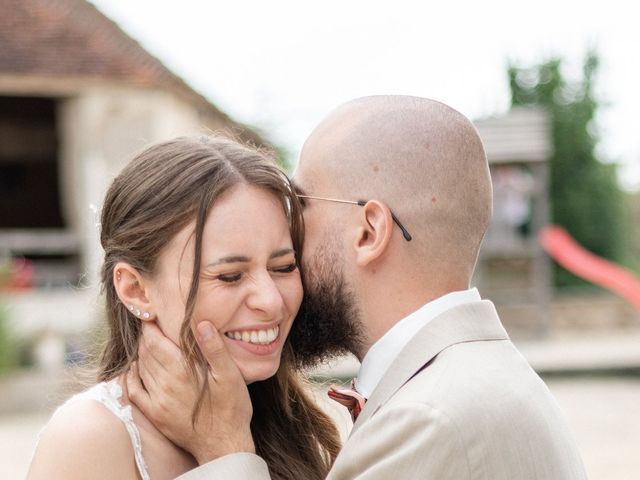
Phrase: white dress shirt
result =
(382, 353)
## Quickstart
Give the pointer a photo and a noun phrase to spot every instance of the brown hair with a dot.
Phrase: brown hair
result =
(158, 194)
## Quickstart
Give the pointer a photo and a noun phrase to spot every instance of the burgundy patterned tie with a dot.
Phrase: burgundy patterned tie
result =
(349, 397)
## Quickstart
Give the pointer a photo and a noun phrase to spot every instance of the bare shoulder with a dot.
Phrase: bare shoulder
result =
(84, 439)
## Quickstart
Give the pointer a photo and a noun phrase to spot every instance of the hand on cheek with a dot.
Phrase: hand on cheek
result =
(166, 393)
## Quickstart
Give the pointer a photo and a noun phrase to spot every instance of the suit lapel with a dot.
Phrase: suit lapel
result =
(476, 321)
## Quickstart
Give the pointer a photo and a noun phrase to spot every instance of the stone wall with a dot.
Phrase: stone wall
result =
(100, 131)
(578, 314)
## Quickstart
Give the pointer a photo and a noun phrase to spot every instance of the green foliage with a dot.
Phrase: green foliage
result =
(633, 206)
(9, 346)
(8, 351)
(585, 196)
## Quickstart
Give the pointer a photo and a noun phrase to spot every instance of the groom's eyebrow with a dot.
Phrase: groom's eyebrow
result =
(297, 188)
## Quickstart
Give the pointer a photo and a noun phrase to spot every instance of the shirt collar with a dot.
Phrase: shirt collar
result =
(382, 353)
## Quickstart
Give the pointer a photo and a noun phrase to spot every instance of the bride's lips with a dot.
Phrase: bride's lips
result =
(259, 340)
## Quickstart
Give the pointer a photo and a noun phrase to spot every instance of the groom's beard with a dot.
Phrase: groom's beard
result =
(328, 324)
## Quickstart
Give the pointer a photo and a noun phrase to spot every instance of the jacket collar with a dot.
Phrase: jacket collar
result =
(471, 322)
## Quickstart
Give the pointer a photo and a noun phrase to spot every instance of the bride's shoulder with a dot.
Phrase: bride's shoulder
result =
(83, 438)
(85, 420)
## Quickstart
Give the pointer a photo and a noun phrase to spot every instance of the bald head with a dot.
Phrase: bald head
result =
(422, 158)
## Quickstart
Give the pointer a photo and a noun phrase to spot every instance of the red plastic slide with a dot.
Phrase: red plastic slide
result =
(567, 252)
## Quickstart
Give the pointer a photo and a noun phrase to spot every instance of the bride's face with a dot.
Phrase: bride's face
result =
(250, 286)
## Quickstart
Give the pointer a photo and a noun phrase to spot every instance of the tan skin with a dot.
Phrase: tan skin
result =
(249, 283)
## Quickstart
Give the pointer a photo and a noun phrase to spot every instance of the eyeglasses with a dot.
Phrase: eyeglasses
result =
(362, 203)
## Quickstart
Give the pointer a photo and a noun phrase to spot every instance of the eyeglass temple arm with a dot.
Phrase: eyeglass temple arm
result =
(407, 236)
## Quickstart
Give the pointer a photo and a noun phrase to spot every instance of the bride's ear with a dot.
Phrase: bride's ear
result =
(132, 291)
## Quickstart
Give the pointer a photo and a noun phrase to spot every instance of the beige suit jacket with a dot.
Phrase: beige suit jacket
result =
(459, 402)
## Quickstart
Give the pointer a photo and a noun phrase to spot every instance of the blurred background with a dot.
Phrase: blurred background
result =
(551, 87)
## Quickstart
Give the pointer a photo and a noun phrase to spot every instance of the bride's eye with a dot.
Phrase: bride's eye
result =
(287, 269)
(230, 278)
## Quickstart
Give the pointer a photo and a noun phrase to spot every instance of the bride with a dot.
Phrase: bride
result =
(195, 228)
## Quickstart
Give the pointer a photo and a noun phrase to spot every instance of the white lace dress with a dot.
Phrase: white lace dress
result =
(110, 395)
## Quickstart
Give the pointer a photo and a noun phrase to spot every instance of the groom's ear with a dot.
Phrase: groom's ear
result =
(132, 291)
(374, 232)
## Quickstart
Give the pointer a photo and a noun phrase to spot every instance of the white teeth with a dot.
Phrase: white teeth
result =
(260, 337)
(272, 333)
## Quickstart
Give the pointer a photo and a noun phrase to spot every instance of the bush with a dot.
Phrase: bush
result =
(8, 350)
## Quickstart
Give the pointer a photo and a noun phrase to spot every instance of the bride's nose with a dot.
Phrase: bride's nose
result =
(265, 296)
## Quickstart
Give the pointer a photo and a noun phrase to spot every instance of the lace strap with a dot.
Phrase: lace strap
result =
(109, 394)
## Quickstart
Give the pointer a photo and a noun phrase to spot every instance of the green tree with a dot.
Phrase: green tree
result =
(585, 196)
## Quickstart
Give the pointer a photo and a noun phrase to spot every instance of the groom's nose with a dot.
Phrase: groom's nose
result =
(265, 297)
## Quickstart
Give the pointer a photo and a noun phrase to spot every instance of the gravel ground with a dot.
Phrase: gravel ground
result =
(604, 414)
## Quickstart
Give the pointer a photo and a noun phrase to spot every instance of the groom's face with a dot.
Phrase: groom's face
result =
(328, 323)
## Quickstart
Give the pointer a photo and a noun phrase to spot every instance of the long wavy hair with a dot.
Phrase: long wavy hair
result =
(160, 192)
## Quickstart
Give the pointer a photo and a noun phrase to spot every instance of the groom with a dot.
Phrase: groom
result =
(448, 395)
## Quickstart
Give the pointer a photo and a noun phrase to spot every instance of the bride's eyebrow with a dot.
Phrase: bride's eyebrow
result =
(244, 259)
(230, 259)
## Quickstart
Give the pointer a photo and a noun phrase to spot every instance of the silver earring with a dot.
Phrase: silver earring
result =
(119, 275)
(131, 307)
(137, 313)
(146, 315)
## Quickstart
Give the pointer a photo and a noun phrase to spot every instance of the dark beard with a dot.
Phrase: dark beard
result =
(327, 324)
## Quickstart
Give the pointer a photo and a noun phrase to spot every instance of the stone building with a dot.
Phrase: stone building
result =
(77, 97)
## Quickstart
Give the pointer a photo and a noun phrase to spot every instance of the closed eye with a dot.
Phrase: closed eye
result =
(230, 278)
(286, 269)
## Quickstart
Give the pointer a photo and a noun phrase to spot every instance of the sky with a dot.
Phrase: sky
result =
(283, 65)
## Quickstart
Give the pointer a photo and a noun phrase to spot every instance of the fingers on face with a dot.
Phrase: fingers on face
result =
(159, 351)
(162, 366)
(213, 349)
